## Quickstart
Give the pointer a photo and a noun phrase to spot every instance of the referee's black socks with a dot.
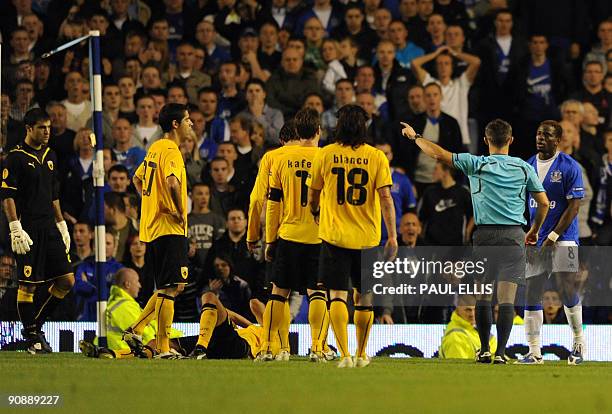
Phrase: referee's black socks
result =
(505, 318)
(484, 320)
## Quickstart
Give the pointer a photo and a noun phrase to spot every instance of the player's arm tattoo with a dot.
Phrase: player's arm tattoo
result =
(573, 205)
(10, 209)
(57, 210)
(388, 211)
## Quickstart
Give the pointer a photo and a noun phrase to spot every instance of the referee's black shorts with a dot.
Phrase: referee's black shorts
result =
(296, 266)
(47, 258)
(166, 261)
(503, 250)
(340, 268)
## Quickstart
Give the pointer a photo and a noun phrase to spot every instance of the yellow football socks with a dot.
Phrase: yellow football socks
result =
(164, 312)
(146, 316)
(338, 315)
(317, 310)
(208, 321)
(273, 320)
(283, 330)
(363, 318)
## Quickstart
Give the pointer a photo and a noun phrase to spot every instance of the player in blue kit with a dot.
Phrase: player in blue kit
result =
(561, 177)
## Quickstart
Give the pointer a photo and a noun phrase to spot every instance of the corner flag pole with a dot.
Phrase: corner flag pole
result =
(95, 87)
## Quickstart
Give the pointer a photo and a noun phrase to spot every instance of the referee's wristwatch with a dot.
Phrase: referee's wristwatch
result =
(416, 136)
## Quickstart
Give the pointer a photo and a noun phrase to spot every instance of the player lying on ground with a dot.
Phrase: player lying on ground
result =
(561, 177)
(220, 338)
(121, 312)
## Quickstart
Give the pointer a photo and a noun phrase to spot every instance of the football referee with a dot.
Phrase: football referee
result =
(498, 184)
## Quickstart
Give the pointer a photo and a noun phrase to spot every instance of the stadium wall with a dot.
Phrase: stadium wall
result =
(385, 340)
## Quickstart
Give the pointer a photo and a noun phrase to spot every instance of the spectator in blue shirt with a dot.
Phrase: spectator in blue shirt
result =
(405, 50)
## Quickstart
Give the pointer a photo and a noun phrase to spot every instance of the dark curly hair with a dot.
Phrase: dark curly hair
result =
(351, 128)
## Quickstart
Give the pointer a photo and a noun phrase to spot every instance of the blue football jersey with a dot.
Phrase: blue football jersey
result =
(562, 182)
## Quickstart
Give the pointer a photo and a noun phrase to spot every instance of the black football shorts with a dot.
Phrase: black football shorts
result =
(166, 261)
(47, 258)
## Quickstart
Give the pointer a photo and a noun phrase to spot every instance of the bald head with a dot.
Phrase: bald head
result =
(127, 279)
(292, 61)
(410, 228)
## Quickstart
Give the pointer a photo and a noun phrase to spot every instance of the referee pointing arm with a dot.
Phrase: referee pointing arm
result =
(499, 184)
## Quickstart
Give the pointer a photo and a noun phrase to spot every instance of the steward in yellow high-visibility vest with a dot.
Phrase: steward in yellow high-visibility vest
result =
(461, 338)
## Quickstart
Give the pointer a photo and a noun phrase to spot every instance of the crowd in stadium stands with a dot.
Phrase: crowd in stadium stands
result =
(245, 67)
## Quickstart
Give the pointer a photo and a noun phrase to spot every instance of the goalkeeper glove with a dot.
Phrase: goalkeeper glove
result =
(63, 229)
(20, 241)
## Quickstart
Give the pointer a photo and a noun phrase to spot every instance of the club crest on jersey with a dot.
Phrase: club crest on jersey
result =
(50, 164)
(27, 271)
(184, 272)
(555, 176)
(5, 174)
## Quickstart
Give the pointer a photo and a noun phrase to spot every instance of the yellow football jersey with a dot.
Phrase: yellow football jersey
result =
(350, 205)
(293, 221)
(253, 334)
(162, 160)
(260, 194)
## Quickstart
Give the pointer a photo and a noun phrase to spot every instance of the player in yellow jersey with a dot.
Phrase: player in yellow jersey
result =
(220, 338)
(161, 181)
(259, 195)
(292, 236)
(258, 198)
(350, 181)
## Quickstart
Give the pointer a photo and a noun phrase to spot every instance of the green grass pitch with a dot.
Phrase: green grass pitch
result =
(387, 386)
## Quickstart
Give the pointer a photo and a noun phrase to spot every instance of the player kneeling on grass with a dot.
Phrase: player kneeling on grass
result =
(461, 340)
(292, 233)
(220, 338)
(121, 311)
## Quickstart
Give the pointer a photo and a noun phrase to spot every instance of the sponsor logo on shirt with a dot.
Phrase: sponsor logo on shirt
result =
(444, 205)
